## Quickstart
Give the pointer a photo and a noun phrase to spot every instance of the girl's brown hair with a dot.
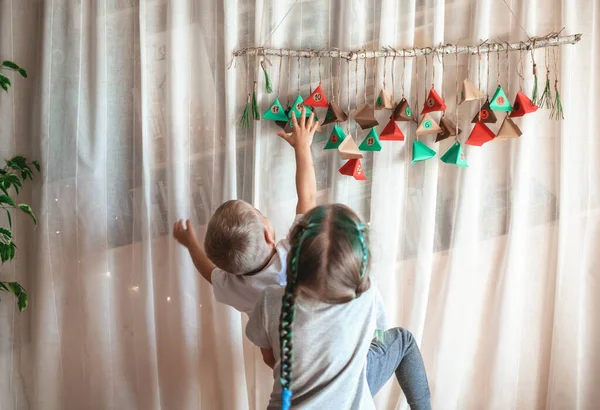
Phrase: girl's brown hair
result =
(328, 262)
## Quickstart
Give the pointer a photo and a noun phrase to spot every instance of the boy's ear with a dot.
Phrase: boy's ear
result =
(269, 238)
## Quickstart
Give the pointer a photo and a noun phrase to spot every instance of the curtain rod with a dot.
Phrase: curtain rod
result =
(485, 47)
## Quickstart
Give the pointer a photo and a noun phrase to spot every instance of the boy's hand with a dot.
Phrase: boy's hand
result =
(304, 131)
(185, 235)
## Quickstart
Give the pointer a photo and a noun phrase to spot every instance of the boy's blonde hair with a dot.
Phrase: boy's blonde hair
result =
(235, 238)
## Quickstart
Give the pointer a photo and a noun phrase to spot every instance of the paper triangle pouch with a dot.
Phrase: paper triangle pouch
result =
(334, 114)
(455, 155)
(391, 132)
(275, 112)
(354, 169)
(469, 92)
(499, 101)
(371, 142)
(508, 129)
(485, 114)
(349, 150)
(287, 124)
(403, 112)
(384, 101)
(480, 134)
(433, 102)
(448, 129)
(523, 105)
(317, 98)
(336, 138)
(297, 107)
(428, 126)
(365, 116)
(421, 152)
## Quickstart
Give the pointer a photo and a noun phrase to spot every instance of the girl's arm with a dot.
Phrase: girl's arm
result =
(268, 357)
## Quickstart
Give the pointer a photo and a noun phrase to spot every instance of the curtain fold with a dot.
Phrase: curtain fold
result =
(131, 107)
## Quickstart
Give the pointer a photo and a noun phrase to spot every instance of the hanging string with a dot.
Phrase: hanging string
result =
(497, 68)
(331, 80)
(393, 71)
(432, 69)
(426, 76)
(279, 78)
(340, 78)
(534, 92)
(348, 92)
(289, 75)
(299, 64)
(384, 68)
(507, 68)
(320, 68)
(487, 77)
(375, 69)
(417, 92)
(443, 72)
(520, 69)
(456, 97)
(479, 77)
(546, 98)
(403, 70)
(309, 75)
(365, 85)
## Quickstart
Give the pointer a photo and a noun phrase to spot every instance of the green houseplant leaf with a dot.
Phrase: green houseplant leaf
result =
(27, 209)
(6, 199)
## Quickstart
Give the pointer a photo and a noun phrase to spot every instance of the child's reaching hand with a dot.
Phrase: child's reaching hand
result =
(304, 131)
(184, 235)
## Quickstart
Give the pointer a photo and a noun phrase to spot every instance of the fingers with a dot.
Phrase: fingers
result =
(285, 136)
(294, 120)
(303, 118)
(188, 225)
(309, 123)
(314, 127)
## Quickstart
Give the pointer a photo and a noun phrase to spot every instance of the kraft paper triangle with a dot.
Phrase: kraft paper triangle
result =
(287, 124)
(297, 107)
(480, 135)
(334, 114)
(371, 142)
(500, 101)
(470, 92)
(275, 112)
(317, 98)
(433, 102)
(485, 114)
(354, 169)
(349, 150)
(384, 101)
(336, 138)
(455, 155)
(391, 132)
(365, 116)
(421, 152)
(403, 112)
(508, 129)
(448, 129)
(428, 126)
(523, 105)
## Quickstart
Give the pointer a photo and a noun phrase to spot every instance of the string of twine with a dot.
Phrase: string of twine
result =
(320, 68)
(384, 69)
(507, 70)
(278, 24)
(365, 82)
(432, 70)
(299, 64)
(426, 75)
(555, 68)
(497, 68)
(520, 71)
(417, 92)
(487, 77)
(309, 75)
(279, 75)
(443, 71)
(456, 100)
(348, 92)
(374, 77)
(479, 77)
(403, 71)
(331, 80)
(393, 71)
(340, 79)
(287, 86)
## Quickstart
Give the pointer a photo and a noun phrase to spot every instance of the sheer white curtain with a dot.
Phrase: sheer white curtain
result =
(131, 110)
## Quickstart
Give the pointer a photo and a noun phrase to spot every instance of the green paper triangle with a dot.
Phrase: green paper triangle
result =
(371, 142)
(275, 112)
(500, 101)
(336, 138)
(421, 152)
(297, 107)
(455, 156)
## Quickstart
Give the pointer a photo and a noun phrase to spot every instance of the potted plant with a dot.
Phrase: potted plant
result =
(17, 171)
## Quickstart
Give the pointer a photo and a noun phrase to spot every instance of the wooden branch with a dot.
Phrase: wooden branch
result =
(485, 47)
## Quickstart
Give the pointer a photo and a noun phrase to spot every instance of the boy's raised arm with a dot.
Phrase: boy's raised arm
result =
(300, 140)
(187, 237)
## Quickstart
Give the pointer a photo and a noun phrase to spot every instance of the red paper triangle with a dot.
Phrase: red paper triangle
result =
(391, 132)
(317, 98)
(353, 168)
(480, 134)
(523, 105)
(433, 102)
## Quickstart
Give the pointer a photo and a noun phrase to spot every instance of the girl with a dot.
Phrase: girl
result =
(329, 310)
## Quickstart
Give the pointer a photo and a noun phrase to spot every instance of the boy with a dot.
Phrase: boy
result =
(241, 257)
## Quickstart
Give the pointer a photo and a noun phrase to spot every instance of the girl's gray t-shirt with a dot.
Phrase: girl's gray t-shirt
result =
(330, 342)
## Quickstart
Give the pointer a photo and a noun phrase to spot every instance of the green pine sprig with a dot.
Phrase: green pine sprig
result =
(255, 113)
(268, 85)
(557, 109)
(244, 121)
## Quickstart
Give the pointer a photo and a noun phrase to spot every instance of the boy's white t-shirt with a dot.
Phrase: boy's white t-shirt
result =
(330, 349)
(242, 291)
